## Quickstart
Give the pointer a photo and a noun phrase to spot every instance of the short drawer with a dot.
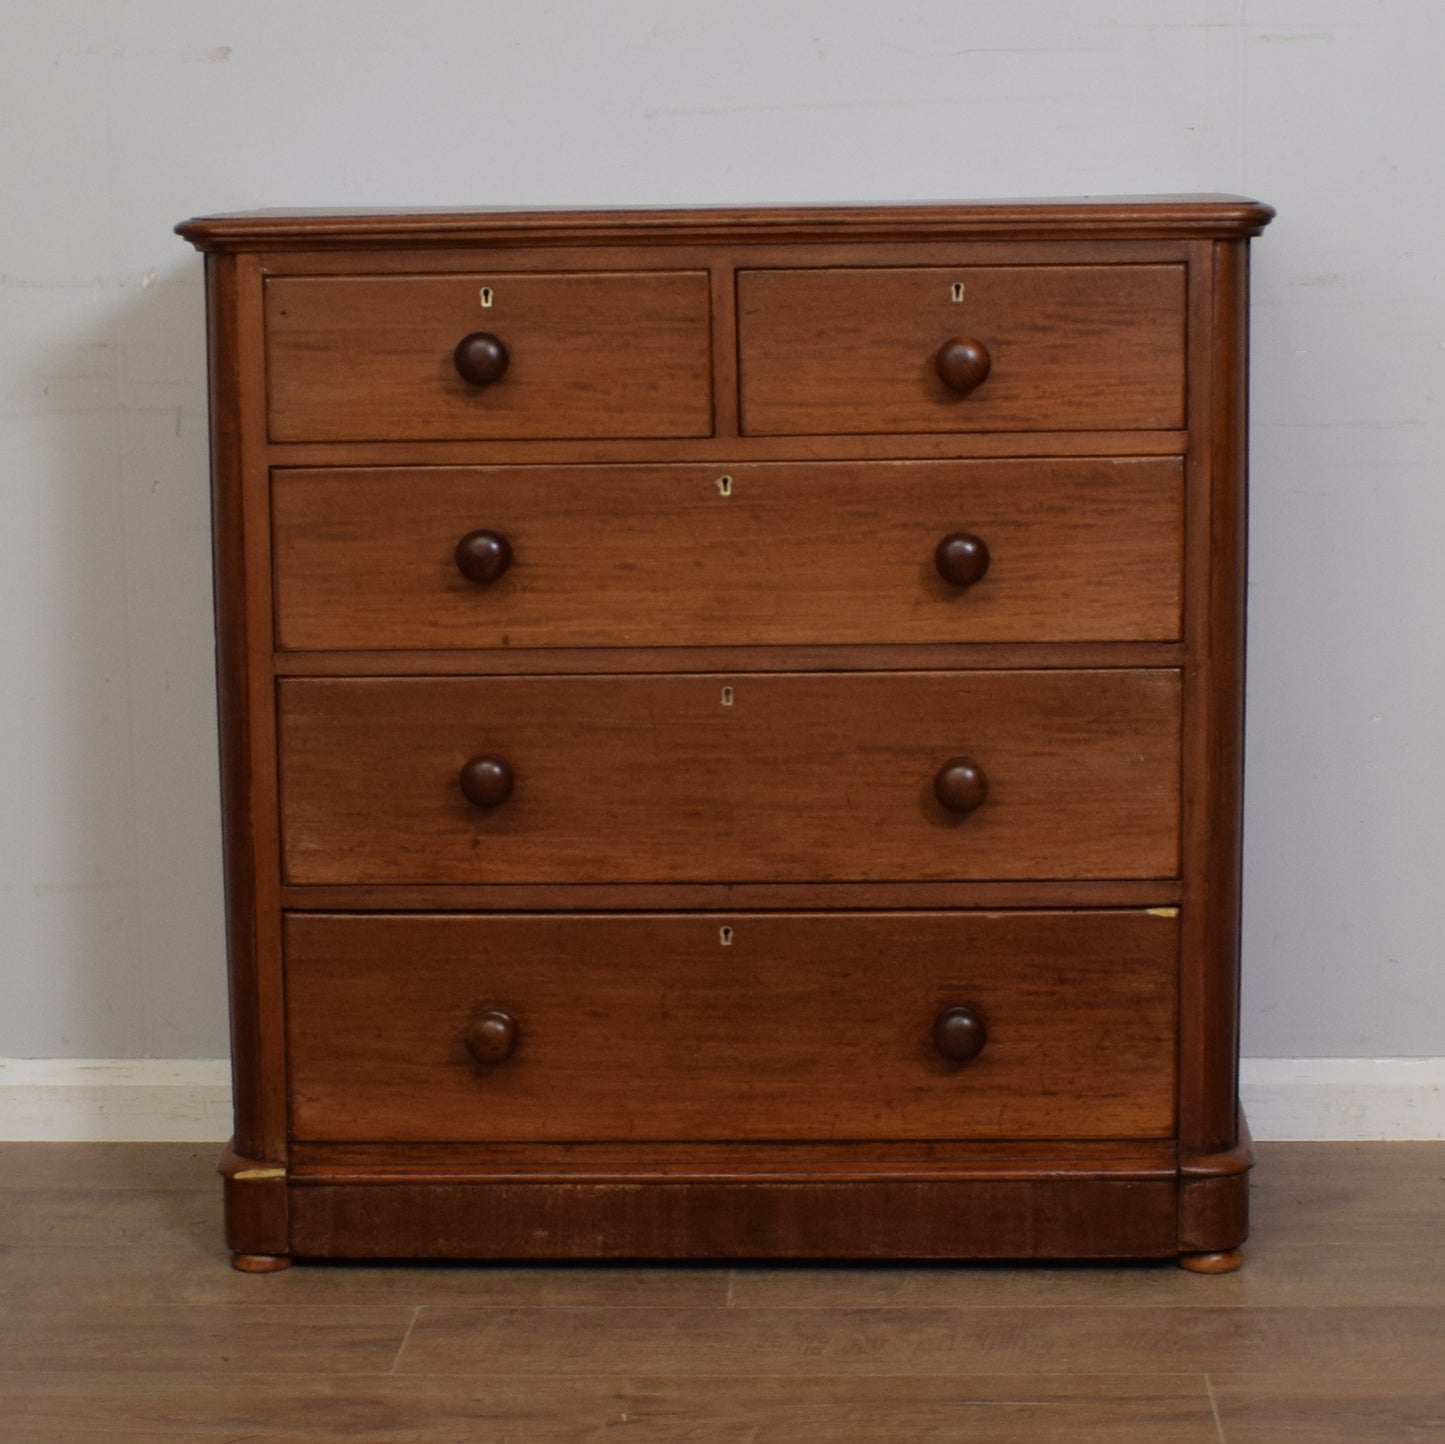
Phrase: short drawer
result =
(714, 778)
(454, 1028)
(587, 354)
(583, 556)
(1088, 348)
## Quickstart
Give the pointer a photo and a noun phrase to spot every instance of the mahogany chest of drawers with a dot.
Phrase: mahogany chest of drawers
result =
(731, 729)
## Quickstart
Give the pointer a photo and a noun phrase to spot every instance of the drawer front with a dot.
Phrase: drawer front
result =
(1076, 550)
(1086, 348)
(743, 778)
(590, 354)
(730, 1027)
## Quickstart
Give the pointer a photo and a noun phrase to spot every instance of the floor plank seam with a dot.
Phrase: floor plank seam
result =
(406, 1338)
(609, 1376)
(1214, 1409)
(942, 1374)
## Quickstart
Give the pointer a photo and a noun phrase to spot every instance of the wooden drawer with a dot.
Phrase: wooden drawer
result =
(591, 354)
(1085, 348)
(723, 1027)
(1077, 550)
(713, 778)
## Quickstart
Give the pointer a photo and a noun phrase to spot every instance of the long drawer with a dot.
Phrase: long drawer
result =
(731, 778)
(815, 553)
(972, 348)
(430, 1028)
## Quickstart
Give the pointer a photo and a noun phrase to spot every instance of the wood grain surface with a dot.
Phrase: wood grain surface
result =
(1051, 217)
(1070, 1216)
(843, 351)
(616, 556)
(730, 777)
(357, 358)
(731, 1026)
(1331, 1334)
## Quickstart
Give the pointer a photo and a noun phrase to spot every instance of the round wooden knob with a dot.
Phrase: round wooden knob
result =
(491, 1037)
(961, 785)
(481, 358)
(959, 1034)
(962, 558)
(962, 363)
(486, 781)
(482, 556)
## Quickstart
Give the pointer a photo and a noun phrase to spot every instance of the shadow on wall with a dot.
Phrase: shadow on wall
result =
(117, 935)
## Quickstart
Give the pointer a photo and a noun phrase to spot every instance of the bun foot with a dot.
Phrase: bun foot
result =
(1212, 1263)
(259, 1263)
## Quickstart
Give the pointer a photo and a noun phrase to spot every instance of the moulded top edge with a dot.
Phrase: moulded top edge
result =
(1121, 217)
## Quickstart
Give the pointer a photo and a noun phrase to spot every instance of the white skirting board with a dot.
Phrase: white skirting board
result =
(189, 1100)
(1349, 1099)
(115, 1100)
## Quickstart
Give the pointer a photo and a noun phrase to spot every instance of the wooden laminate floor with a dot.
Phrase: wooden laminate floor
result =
(121, 1320)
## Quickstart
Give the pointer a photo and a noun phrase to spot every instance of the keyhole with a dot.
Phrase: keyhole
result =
(725, 937)
(486, 297)
(727, 696)
(956, 293)
(724, 486)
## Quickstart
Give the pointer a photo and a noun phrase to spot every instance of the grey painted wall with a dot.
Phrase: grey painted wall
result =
(121, 120)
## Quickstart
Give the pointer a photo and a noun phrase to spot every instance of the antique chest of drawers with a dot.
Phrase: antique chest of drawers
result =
(731, 729)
